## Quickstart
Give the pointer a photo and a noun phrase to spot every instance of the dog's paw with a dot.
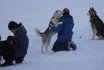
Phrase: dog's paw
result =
(42, 52)
(100, 38)
(58, 24)
(93, 38)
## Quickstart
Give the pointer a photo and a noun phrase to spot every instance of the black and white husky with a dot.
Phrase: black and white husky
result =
(96, 24)
(0, 51)
(6, 46)
(47, 34)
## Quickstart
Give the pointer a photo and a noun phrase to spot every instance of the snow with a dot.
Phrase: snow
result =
(37, 13)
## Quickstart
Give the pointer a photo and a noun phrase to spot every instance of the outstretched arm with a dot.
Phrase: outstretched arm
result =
(58, 28)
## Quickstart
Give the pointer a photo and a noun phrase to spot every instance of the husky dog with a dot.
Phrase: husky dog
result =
(96, 24)
(6, 46)
(0, 50)
(47, 34)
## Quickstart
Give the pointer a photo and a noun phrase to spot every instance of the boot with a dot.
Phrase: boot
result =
(73, 46)
(68, 48)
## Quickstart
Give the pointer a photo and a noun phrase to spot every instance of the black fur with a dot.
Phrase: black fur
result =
(0, 38)
(7, 48)
(96, 22)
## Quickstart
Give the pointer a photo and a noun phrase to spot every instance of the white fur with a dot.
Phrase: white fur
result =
(46, 35)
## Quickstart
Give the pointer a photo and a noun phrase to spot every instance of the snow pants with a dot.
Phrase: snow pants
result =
(59, 46)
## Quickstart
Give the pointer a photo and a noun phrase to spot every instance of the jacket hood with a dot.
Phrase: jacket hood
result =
(21, 29)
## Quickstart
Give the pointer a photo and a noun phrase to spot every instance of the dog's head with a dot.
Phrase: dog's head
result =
(10, 40)
(57, 14)
(92, 12)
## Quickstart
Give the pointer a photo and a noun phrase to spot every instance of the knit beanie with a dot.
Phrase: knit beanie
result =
(66, 11)
(12, 25)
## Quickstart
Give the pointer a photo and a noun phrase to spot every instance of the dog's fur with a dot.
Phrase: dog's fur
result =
(6, 45)
(47, 34)
(0, 50)
(96, 24)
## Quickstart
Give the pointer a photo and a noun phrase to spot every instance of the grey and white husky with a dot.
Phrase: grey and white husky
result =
(47, 34)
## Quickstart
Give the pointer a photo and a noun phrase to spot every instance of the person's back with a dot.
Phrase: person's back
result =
(21, 41)
(64, 32)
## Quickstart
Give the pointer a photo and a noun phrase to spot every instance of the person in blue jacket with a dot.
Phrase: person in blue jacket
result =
(65, 32)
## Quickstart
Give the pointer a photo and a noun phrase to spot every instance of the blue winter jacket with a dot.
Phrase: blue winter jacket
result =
(64, 30)
(21, 42)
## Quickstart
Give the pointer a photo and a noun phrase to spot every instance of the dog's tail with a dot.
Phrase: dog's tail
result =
(38, 32)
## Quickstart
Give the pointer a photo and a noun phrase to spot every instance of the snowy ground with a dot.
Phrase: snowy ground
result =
(37, 13)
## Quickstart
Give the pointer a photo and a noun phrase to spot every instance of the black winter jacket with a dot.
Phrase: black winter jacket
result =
(21, 42)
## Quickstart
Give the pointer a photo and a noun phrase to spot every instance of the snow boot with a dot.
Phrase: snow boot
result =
(68, 48)
(73, 46)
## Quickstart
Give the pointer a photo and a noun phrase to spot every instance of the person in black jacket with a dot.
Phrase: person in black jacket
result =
(21, 42)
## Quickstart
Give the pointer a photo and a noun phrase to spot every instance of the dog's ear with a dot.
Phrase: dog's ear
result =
(92, 8)
(0, 37)
(10, 38)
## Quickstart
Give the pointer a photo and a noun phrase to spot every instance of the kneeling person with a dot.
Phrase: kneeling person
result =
(21, 42)
(64, 32)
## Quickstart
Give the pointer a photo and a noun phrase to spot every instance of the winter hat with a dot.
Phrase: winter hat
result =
(66, 11)
(12, 25)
